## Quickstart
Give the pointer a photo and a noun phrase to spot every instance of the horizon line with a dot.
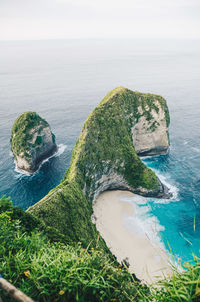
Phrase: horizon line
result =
(101, 38)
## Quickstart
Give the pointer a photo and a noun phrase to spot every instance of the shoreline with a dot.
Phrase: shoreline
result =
(148, 261)
(60, 149)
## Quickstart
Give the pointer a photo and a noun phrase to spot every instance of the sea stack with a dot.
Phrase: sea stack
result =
(31, 141)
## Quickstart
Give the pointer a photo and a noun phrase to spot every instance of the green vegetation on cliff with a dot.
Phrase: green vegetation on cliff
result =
(66, 209)
(52, 271)
(21, 136)
(103, 151)
(106, 145)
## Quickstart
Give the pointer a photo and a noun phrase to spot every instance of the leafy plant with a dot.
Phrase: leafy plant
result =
(48, 271)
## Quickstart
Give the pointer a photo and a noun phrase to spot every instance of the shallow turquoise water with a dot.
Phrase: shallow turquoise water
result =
(64, 80)
(179, 217)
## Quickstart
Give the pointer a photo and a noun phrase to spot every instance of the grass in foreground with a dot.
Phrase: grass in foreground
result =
(55, 271)
(48, 271)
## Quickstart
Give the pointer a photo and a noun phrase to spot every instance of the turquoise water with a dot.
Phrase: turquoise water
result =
(64, 80)
(180, 216)
(174, 223)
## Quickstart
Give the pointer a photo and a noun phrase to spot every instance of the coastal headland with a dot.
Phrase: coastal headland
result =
(104, 158)
(78, 227)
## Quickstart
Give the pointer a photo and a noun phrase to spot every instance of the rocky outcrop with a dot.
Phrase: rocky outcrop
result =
(104, 158)
(114, 181)
(150, 135)
(31, 141)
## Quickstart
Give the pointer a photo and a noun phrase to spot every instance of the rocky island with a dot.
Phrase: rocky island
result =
(105, 158)
(31, 141)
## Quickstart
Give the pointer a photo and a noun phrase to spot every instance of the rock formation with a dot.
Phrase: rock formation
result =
(104, 158)
(150, 133)
(31, 141)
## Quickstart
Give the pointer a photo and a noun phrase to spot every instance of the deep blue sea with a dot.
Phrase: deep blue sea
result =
(63, 80)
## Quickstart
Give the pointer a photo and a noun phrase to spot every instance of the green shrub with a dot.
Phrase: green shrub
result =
(5, 204)
(55, 271)
(38, 140)
(48, 271)
(182, 286)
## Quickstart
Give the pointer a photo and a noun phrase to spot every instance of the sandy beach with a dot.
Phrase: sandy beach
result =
(148, 261)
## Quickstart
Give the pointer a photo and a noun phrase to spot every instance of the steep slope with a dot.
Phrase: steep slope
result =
(104, 158)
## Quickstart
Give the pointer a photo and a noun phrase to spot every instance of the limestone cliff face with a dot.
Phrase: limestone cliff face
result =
(125, 124)
(150, 136)
(31, 141)
(105, 158)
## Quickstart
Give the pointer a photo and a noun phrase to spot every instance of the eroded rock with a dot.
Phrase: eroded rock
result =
(31, 141)
(150, 135)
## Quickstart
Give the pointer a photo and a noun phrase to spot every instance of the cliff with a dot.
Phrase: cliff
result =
(150, 131)
(31, 141)
(104, 158)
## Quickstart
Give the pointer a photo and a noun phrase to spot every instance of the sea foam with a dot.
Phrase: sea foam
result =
(172, 189)
(143, 223)
(61, 149)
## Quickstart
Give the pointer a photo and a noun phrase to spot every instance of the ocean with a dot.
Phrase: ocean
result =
(63, 81)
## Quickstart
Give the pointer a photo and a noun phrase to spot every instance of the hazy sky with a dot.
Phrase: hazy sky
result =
(46, 19)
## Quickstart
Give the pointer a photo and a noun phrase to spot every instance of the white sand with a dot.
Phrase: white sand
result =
(147, 260)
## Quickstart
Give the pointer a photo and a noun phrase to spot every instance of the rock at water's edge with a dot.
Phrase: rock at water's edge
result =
(150, 133)
(31, 141)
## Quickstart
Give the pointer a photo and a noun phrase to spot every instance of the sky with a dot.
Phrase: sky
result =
(62, 19)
